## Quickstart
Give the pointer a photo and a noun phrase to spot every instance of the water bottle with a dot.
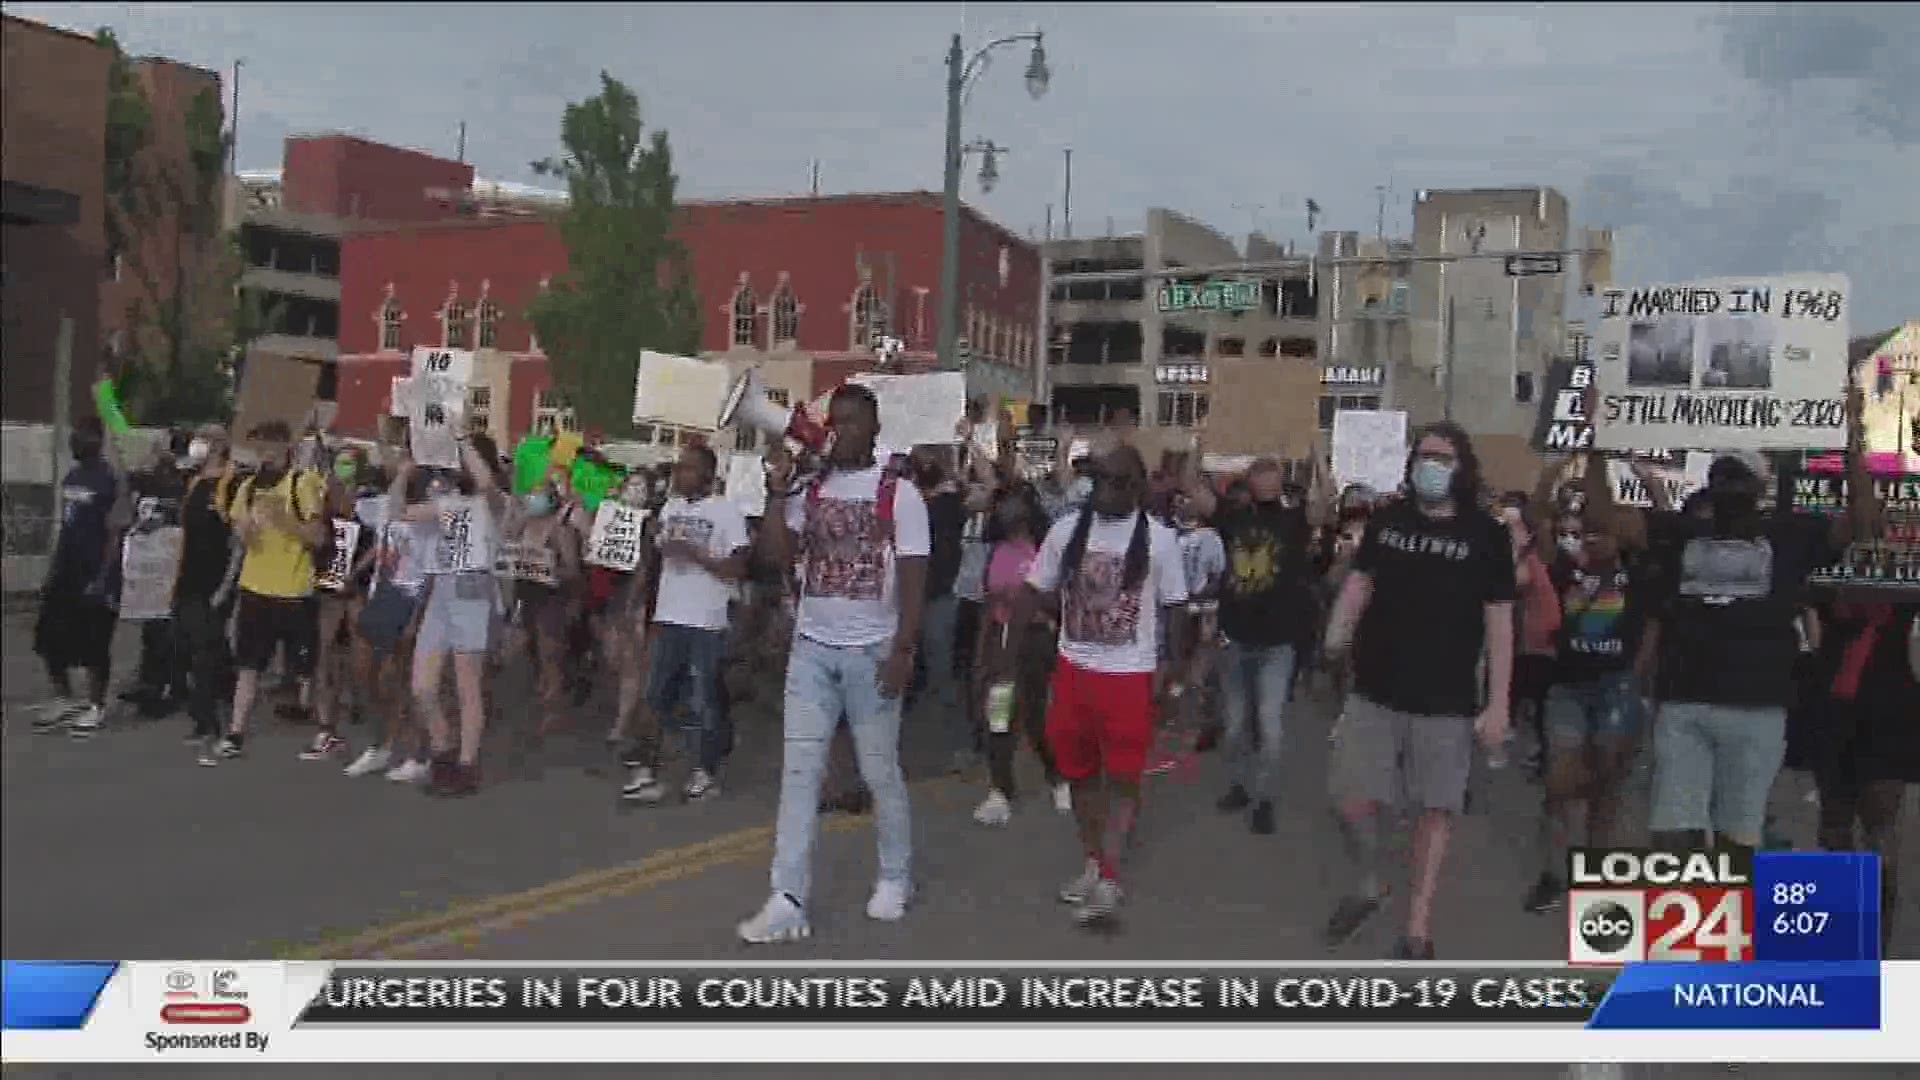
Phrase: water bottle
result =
(1000, 708)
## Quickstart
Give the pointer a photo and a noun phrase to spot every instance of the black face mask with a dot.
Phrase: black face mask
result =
(1731, 503)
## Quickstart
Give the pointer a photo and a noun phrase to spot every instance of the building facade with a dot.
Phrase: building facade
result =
(1366, 307)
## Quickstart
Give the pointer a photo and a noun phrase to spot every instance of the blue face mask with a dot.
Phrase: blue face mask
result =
(539, 504)
(1432, 480)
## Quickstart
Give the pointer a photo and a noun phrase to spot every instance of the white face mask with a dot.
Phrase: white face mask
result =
(197, 452)
(1572, 546)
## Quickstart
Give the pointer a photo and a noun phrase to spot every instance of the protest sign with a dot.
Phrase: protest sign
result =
(273, 387)
(985, 440)
(1369, 447)
(437, 403)
(525, 561)
(459, 552)
(1886, 563)
(615, 540)
(400, 396)
(371, 511)
(1036, 455)
(747, 483)
(149, 564)
(333, 576)
(1723, 364)
(1680, 474)
(918, 410)
(680, 390)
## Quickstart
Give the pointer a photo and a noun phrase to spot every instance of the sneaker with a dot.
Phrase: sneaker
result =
(410, 771)
(701, 784)
(889, 901)
(458, 779)
(1235, 800)
(325, 744)
(209, 756)
(643, 787)
(1075, 891)
(85, 722)
(371, 760)
(1063, 797)
(1546, 894)
(782, 919)
(1349, 917)
(1412, 949)
(1262, 822)
(1101, 904)
(994, 809)
(230, 747)
(54, 715)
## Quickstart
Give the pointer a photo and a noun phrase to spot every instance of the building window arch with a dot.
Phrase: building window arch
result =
(784, 322)
(868, 322)
(489, 324)
(456, 325)
(390, 318)
(745, 316)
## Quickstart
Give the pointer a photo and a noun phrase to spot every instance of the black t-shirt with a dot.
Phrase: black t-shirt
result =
(1417, 648)
(1602, 615)
(87, 496)
(1264, 597)
(1727, 605)
(205, 537)
(946, 516)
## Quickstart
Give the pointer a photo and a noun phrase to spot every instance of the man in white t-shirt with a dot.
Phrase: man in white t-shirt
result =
(1117, 574)
(702, 540)
(858, 535)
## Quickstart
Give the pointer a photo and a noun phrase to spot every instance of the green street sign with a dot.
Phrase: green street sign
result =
(1210, 296)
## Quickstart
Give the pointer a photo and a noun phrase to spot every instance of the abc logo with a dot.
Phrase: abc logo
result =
(1606, 927)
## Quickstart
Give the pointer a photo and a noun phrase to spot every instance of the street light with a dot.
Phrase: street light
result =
(989, 152)
(961, 71)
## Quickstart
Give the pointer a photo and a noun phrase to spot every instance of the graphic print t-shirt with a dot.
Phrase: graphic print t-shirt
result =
(1600, 623)
(691, 595)
(848, 593)
(1202, 558)
(1105, 627)
(1418, 645)
(1265, 599)
(405, 549)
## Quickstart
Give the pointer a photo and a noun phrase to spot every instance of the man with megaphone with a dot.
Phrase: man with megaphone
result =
(859, 535)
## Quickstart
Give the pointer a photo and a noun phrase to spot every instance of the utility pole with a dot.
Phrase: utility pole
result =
(233, 134)
(460, 151)
(1066, 199)
(1446, 367)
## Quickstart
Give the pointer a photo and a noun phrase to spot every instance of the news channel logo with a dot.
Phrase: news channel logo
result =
(1606, 926)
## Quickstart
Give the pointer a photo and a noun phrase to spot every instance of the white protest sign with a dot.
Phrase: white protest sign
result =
(1681, 478)
(680, 390)
(986, 439)
(1037, 455)
(334, 575)
(1724, 364)
(747, 483)
(918, 410)
(1226, 464)
(371, 511)
(437, 402)
(149, 565)
(1369, 447)
(615, 540)
(402, 395)
(459, 552)
(525, 561)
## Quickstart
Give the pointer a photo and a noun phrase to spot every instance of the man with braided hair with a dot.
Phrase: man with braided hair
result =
(1116, 574)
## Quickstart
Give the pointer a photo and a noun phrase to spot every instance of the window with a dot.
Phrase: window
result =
(786, 317)
(390, 317)
(457, 322)
(489, 323)
(552, 415)
(869, 319)
(119, 265)
(745, 318)
(1331, 404)
(1270, 347)
(1182, 408)
(1233, 346)
(1523, 387)
(1299, 347)
(643, 433)
(479, 408)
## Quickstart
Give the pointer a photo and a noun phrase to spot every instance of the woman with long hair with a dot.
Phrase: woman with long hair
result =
(546, 576)
(386, 625)
(1014, 658)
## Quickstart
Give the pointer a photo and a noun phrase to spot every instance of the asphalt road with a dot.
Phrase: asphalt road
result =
(122, 848)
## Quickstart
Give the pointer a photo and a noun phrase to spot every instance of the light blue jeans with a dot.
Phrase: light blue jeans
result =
(1713, 768)
(1253, 690)
(824, 683)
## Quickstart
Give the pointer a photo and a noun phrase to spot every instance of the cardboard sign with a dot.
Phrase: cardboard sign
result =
(149, 566)
(333, 576)
(680, 390)
(918, 410)
(274, 387)
(524, 561)
(747, 483)
(1369, 447)
(1723, 364)
(459, 551)
(615, 540)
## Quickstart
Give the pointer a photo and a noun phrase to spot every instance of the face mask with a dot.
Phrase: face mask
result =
(634, 497)
(539, 504)
(1572, 546)
(1080, 490)
(1432, 481)
(344, 468)
(1733, 502)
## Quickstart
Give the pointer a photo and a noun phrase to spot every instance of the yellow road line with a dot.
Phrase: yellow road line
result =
(469, 923)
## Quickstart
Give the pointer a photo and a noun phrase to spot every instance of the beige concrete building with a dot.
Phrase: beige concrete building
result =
(1366, 314)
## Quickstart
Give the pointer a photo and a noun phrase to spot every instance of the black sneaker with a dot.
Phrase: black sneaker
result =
(1235, 800)
(1412, 949)
(1546, 895)
(1262, 823)
(1349, 917)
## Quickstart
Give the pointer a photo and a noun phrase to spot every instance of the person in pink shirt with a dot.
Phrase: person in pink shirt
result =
(1015, 661)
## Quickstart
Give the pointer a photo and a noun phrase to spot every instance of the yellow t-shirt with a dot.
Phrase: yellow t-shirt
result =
(280, 564)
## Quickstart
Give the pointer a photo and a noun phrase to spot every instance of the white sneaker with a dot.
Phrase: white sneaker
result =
(54, 714)
(411, 771)
(643, 787)
(1063, 797)
(780, 920)
(700, 785)
(371, 760)
(83, 724)
(1075, 891)
(889, 902)
(1102, 902)
(994, 809)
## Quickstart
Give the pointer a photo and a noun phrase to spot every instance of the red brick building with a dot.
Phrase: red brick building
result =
(813, 280)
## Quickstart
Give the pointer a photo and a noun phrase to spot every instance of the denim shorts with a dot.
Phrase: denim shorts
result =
(1714, 767)
(1605, 708)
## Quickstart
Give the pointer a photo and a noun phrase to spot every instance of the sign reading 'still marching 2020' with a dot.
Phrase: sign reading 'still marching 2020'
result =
(1723, 364)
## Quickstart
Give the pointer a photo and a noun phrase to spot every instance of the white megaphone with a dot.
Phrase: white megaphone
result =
(747, 405)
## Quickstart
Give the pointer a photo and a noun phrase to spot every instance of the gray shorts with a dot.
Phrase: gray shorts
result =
(459, 616)
(1713, 768)
(1382, 754)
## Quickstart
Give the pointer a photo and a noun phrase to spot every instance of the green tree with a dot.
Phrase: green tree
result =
(628, 284)
(129, 128)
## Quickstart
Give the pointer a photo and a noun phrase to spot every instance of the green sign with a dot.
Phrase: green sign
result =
(1210, 296)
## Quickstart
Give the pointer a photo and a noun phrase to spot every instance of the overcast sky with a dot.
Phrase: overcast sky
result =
(1716, 140)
